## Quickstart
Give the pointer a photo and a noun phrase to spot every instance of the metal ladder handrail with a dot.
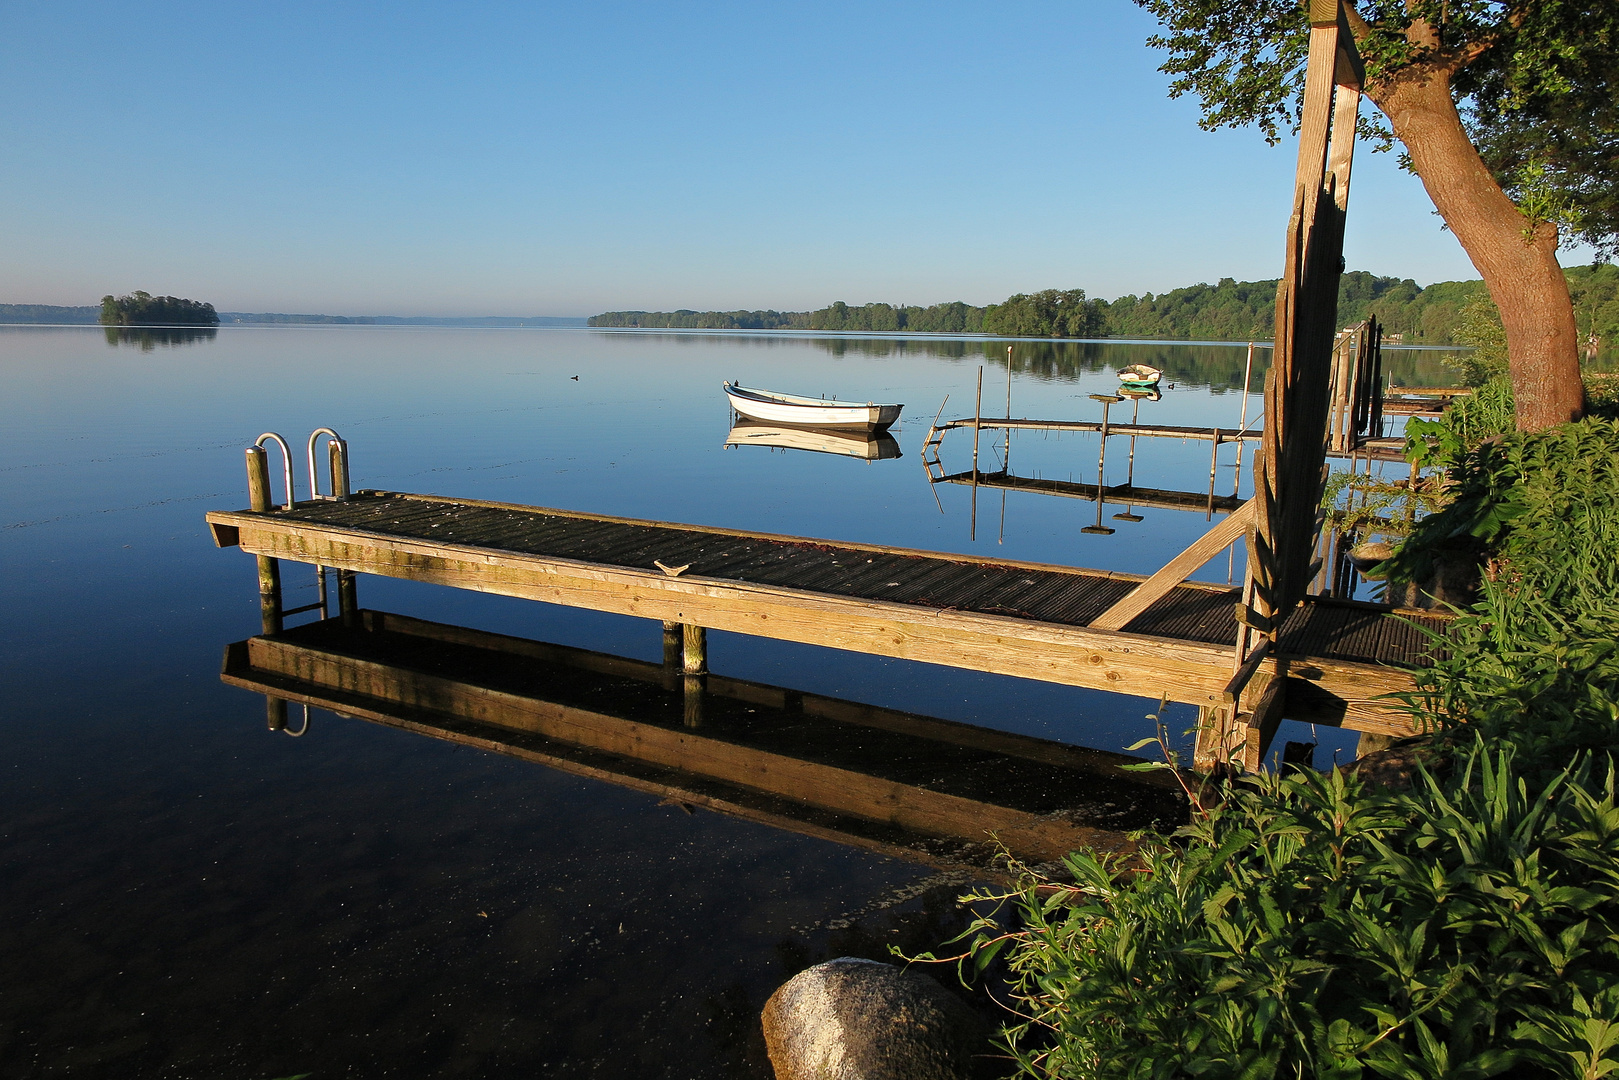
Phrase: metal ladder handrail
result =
(286, 461)
(338, 484)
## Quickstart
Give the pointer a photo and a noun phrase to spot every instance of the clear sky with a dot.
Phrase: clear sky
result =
(563, 159)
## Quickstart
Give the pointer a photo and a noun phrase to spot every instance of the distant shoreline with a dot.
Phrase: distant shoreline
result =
(568, 323)
(60, 315)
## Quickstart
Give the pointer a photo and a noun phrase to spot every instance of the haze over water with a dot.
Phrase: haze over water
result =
(190, 895)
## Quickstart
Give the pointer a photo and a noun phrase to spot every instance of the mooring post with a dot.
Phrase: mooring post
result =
(978, 414)
(258, 500)
(275, 713)
(1007, 454)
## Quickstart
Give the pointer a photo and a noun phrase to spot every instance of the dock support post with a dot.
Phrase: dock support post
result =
(1216, 738)
(694, 650)
(348, 599)
(694, 668)
(673, 647)
(258, 500)
(275, 713)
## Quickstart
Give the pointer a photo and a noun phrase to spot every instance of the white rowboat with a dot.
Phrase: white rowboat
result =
(1140, 375)
(774, 408)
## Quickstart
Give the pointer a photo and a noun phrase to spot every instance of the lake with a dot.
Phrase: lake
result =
(190, 895)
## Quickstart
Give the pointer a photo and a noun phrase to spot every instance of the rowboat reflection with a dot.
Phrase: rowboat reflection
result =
(912, 786)
(871, 445)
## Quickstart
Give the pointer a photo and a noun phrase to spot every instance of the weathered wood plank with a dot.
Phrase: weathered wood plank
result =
(1261, 724)
(1344, 694)
(1124, 663)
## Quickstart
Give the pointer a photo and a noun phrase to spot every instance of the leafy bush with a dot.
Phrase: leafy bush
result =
(1307, 925)
(1478, 324)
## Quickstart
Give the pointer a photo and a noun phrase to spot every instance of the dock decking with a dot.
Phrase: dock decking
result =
(1013, 618)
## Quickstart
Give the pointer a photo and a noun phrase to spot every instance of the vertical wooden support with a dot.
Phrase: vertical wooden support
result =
(348, 600)
(694, 650)
(1219, 745)
(1288, 467)
(673, 645)
(258, 480)
(337, 460)
(258, 500)
(1259, 731)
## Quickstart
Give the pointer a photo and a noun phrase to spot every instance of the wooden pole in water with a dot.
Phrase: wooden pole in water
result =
(694, 650)
(978, 413)
(1242, 424)
(348, 600)
(694, 641)
(1007, 453)
(258, 500)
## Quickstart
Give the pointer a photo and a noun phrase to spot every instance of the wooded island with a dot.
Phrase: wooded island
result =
(144, 309)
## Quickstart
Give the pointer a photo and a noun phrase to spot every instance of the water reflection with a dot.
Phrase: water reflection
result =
(147, 338)
(872, 446)
(899, 783)
(1215, 365)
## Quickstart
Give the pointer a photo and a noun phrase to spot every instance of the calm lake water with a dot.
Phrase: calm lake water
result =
(189, 895)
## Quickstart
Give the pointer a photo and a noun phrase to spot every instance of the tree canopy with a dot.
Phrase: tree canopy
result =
(144, 309)
(1533, 82)
(1504, 109)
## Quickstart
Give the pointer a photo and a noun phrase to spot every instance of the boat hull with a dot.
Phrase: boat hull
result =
(810, 412)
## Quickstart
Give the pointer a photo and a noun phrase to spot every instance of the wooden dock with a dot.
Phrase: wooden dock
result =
(1023, 619)
(906, 785)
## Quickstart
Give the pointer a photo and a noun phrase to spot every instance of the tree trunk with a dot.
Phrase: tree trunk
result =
(1521, 271)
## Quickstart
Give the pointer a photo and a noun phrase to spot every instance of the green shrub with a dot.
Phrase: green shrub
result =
(1308, 926)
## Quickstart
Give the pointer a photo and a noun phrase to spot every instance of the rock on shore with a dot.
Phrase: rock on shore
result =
(853, 1019)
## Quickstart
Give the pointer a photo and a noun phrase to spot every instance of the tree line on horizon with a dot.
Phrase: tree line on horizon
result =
(1226, 311)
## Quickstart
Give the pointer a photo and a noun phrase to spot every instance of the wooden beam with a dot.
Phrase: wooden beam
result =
(1245, 674)
(1139, 664)
(1206, 547)
(1262, 723)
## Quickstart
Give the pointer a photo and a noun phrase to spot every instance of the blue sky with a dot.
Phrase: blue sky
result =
(527, 159)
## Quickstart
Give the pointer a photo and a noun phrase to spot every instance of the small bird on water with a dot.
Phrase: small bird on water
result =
(575, 378)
